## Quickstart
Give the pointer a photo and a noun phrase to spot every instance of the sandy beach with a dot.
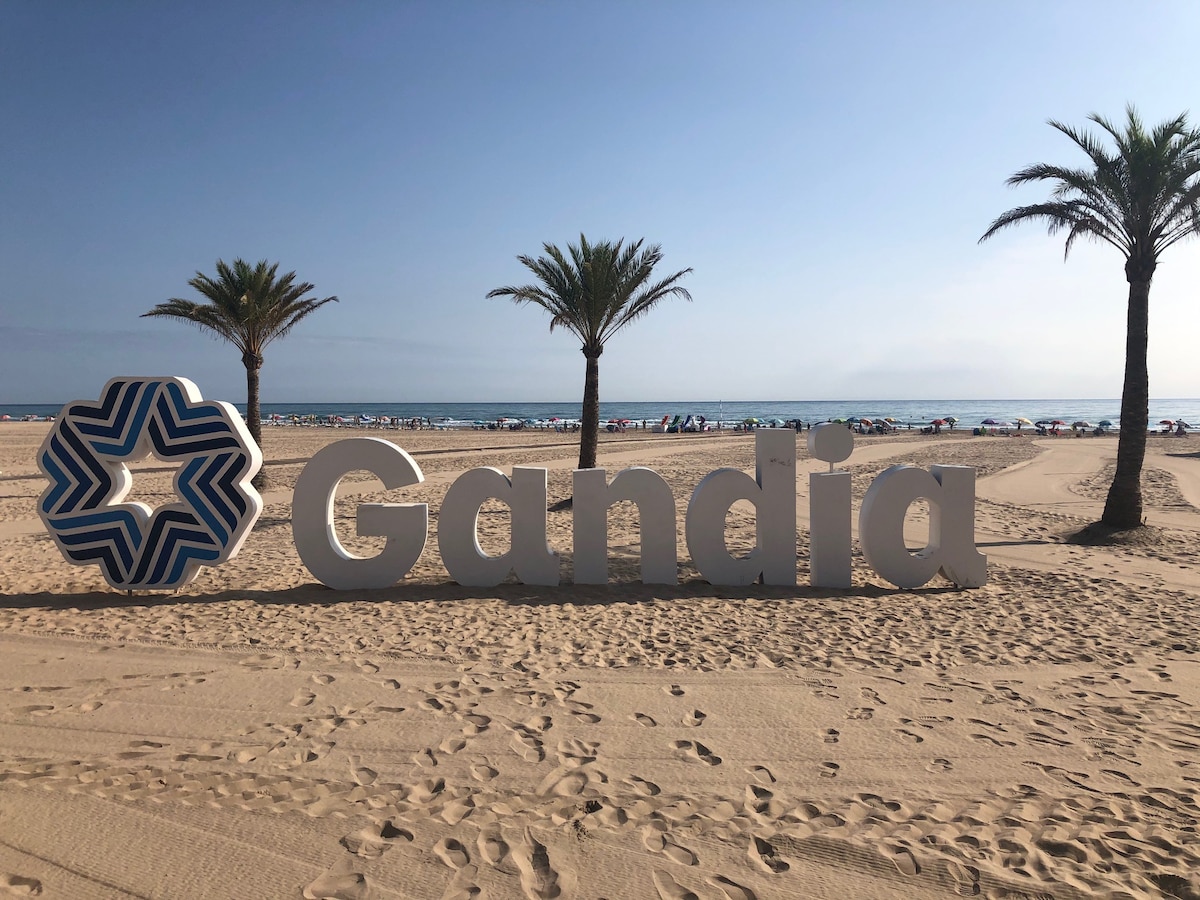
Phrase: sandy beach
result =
(258, 735)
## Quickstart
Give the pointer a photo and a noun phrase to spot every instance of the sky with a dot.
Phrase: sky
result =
(825, 169)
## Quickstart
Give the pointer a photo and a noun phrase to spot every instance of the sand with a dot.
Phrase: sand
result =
(258, 735)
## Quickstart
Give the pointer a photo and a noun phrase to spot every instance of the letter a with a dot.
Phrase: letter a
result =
(458, 528)
(950, 491)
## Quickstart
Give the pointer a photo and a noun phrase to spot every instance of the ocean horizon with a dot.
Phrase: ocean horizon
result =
(905, 412)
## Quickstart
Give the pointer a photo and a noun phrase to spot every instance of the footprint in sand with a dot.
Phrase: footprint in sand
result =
(939, 765)
(830, 735)
(694, 718)
(492, 847)
(263, 661)
(426, 790)
(462, 886)
(538, 877)
(484, 772)
(860, 712)
(995, 742)
(338, 883)
(644, 720)
(829, 769)
(451, 852)
(872, 695)
(761, 774)
(1035, 737)
(669, 889)
(322, 679)
(763, 855)
(674, 690)
(364, 776)
(904, 861)
(759, 798)
(644, 787)
(303, 698)
(965, 878)
(697, 751)
(528, 748)
(36, 710)
(654, 836)
(677, 854)
(915, 738)
(19, 885)
(474, 723)
(731, 889)
(371, 842)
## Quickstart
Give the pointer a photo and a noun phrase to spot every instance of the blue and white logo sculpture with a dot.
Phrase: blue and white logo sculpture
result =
(136, 547)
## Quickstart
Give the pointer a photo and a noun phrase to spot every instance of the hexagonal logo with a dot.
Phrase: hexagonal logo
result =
(138, 548)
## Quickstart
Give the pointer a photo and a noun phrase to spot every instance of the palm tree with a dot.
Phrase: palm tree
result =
(1141, 198)
(248, 307)
(594, 294)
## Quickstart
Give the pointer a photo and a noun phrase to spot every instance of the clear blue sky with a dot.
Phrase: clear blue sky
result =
(825, 168)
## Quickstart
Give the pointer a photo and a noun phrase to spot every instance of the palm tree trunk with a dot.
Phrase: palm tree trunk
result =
(1123, 508)
(253, 365)
(590, 420)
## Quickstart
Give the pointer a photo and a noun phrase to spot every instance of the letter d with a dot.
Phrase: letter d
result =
(773, 493)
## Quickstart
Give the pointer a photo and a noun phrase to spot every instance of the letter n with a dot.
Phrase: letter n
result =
(656, 511)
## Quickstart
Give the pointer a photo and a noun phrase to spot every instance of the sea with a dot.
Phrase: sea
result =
(905, 413)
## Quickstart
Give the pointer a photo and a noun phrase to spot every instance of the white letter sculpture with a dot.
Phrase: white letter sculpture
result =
(656, 511)
(829, 507)
(405, 525)
(950, 491)
(773, 493)
(458, 528)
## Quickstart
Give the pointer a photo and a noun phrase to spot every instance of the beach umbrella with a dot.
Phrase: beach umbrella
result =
(1023, 420)
(889, 420)
(940, 422)
(953, 420)
(1166, 422)
(1057, 422)
(989, 422)
(1105, 423)
(750, 421)
(1081, 424)
(866, 421)
(6, 417)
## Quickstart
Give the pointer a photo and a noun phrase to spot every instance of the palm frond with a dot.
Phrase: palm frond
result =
(1140, 194)
(247, 306)
(594, 289)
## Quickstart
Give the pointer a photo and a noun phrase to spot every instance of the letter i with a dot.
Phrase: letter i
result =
(829, 507)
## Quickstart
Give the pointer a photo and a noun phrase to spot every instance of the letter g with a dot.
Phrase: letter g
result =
(405, 525)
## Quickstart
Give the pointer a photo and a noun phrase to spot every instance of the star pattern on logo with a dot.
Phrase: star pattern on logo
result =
(138, 548)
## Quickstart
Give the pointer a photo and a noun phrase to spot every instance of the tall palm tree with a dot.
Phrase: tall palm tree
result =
(1141, 198)
(595, 293)
(248, 307)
